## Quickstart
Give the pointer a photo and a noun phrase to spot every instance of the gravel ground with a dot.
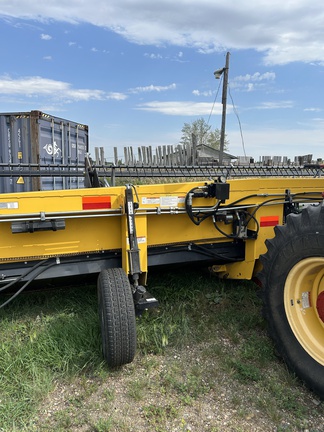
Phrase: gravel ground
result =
(156, 393)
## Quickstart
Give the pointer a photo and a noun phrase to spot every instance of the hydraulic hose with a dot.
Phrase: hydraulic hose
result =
(28, 282)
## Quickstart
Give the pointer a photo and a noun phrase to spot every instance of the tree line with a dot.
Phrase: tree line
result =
(204, 133)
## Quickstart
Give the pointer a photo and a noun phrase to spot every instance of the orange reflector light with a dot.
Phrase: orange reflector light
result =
(96, 202)
(268, 221)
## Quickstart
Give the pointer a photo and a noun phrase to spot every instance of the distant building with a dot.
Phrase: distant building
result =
(208, 155)
(244, 160)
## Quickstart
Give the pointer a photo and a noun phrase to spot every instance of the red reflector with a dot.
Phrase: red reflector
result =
(96, 202)
(320, 305)
(268, 221)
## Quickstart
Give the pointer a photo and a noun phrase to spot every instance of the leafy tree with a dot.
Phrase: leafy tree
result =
(203, 133)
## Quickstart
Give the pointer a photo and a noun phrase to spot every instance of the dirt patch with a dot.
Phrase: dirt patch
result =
(183, 390)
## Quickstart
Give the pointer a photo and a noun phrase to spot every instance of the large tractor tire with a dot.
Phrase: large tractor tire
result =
(292, 281)
(117, 317)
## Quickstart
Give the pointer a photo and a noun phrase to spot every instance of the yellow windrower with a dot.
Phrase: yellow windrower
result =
(270, 228)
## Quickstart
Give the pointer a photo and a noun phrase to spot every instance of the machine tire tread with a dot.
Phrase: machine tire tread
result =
(117, 317)
(300, 238)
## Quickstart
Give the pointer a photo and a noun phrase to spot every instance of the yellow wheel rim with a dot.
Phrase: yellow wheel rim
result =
(304, 305)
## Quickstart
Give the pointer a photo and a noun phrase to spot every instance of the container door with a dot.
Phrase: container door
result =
(14, 150)
(62, 145)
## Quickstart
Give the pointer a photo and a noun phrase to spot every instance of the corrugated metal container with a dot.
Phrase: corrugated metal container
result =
(38, 138)
(243, 160)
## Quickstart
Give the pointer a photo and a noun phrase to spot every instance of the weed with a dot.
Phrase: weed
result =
(136, 389)
(245, 371)
(103, 425)
(214, 297)
(157, 416)
(164, 327)
(109, 394)
(63, 419)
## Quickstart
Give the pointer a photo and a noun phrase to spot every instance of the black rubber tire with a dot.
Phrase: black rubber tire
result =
(299, 242)
(117, 317)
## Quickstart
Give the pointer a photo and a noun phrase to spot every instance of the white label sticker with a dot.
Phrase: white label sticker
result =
(164, 201)
(151, 200)
(169, 201)
(305, 300)
(9, 205)
(140, 240)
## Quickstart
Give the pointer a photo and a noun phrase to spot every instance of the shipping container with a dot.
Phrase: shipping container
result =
(29, 138)
(244, 160)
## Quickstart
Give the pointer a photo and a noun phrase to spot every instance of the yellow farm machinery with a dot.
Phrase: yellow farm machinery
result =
(265, 224)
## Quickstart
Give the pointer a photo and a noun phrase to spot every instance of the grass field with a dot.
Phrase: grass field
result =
(204, 363)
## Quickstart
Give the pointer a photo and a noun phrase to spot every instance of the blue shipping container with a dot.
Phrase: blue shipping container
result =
(38, 138)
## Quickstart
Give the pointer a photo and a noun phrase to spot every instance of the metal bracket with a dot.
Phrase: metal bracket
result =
(289, 206)
(33, 226)
(133, 252)
(91, 178)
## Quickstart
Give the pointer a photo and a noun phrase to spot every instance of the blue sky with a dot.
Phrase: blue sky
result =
(135, 71)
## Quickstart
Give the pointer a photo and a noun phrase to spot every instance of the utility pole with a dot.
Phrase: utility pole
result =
(218, 74)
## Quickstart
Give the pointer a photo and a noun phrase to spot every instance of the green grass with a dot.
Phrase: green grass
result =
(207, 338)
(44, 337)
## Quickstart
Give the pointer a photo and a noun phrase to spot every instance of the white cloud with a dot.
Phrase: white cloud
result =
(313, 109)
(45, 36)
(37, 86)
(116, 96)
(276, 105)
(153, 88)
(185, 108)
(153, 56)
(252, 82)
(47, 58)
(284, 32)
(207, 93)
(268, 76)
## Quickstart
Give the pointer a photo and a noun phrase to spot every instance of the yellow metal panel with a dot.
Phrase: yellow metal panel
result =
(141, 230)
(124, 244)
(79, 236)
(161, 219)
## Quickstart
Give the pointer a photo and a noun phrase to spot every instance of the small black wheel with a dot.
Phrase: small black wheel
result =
(117, 317)
(292, 281)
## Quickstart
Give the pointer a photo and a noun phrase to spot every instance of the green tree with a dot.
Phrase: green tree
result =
(204, 133)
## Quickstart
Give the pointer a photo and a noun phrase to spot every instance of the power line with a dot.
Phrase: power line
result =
(238, 119)
(220, 82)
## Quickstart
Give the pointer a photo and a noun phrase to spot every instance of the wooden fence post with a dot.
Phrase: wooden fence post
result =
(116, 156)
(194, 149)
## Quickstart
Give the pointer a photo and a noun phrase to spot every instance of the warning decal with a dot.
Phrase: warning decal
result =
(164, 201)
(151, 200)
